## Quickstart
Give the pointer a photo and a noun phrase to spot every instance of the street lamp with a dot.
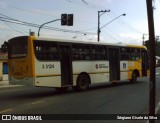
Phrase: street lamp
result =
(46, 23)
(143, 42)
(99, 29)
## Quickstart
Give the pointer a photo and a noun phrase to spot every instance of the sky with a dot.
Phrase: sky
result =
(127, 29)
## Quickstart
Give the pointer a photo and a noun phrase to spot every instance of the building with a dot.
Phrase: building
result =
(3, 66)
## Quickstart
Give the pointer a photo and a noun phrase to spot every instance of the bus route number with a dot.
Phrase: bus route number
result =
(47, 66)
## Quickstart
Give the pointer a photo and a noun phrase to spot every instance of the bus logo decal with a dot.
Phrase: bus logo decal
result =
(96, 66)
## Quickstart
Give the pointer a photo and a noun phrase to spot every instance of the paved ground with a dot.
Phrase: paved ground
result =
(158, 107)
(5, 83)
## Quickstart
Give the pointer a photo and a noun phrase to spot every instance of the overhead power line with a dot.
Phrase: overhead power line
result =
(85, 3)
(27, 10)
(8, 19)
(13, 28)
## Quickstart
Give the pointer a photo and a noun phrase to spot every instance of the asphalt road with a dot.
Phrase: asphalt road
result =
(121, 98)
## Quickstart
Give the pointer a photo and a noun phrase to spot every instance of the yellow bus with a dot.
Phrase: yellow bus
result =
(58, 63)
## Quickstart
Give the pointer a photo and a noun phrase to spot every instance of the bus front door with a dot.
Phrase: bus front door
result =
(66, 65)
(114, 64)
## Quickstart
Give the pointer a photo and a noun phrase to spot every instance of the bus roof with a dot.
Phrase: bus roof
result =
(82, 42)
(87, 42)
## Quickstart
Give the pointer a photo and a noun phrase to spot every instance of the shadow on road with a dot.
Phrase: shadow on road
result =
(41, 92)
(113, 85)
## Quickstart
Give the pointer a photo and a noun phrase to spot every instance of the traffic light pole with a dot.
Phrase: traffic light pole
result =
(152, 83)
(46, 23)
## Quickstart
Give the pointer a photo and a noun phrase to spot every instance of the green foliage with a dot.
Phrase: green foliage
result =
(157, 46)
(4, 47)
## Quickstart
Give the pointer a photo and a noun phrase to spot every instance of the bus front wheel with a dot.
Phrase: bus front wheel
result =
(82, 82)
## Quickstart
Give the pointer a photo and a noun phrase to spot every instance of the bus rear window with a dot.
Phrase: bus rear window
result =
(17, 47)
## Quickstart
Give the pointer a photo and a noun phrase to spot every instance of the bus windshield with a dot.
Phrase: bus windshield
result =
(17, 47)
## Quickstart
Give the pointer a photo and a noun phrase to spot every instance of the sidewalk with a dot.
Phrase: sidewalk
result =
(5, 83)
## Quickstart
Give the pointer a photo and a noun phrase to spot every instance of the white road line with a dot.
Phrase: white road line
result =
(6, 111)
(37, 102)
(156, 110)
(158, 107)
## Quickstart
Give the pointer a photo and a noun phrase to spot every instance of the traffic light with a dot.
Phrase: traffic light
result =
(70, 20)
(64, 19)
(67, 19)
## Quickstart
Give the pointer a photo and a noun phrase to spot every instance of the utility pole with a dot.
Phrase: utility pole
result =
(152, 83)
(99, 31)
(143, 42)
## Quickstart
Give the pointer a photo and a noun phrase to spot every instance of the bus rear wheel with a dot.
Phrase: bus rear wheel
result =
(134, 77)
(82, 82)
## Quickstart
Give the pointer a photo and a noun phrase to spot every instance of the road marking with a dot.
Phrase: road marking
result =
(6, 111)
(158, 107)
(10, 86)
(37, 102)
(10, 90)
(156, 110)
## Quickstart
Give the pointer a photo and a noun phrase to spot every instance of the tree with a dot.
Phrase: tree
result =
(157, 46)
(4, 47)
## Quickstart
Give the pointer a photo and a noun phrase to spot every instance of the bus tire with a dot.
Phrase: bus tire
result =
(82, 82)
(134, 77)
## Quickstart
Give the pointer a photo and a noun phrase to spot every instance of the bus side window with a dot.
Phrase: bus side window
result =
(45, 50)
(52, 52)
(81, 52)
(101, 53)
(135, 54)
(93, 52)
(125, 53)
(76, 52)
(87, 53)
